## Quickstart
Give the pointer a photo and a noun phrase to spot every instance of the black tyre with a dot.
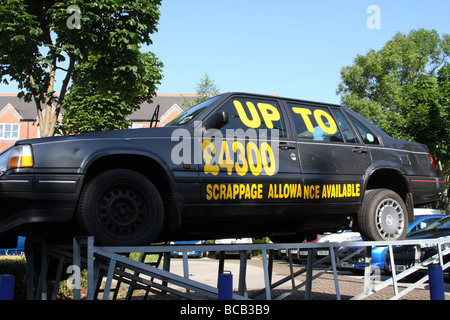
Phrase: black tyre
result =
(121, 207)
(383, 216)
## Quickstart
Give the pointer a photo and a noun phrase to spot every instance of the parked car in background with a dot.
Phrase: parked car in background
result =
(344, 236)
(423, 217)
(356, 264)
(301, 255)
(407, 255)
(191, 254)
(234, 241)
(295, 253)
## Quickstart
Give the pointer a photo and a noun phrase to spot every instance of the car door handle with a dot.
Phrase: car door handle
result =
(360, 150)
(286, 146)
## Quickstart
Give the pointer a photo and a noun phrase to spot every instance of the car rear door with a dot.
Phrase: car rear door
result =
(333, 158)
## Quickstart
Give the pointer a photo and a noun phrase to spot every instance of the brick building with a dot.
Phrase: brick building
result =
(19, 120)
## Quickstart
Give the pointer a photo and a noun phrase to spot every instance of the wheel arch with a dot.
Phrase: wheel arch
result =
(393, 179)
(148, 166)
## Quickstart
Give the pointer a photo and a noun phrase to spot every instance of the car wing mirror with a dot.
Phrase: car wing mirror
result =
(216, 121)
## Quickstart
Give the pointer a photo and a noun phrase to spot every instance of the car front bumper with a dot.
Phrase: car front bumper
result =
(31, 198)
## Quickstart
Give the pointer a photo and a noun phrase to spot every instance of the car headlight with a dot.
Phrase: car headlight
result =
(20, 156)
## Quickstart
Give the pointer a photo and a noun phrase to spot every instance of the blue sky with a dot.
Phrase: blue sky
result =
(294, 48)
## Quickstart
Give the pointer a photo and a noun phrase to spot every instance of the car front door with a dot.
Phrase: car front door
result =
(252, 160)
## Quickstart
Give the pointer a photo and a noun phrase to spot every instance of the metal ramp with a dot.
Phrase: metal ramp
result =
(110, 269)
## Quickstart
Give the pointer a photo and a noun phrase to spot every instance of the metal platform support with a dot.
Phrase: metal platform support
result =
(108, 268)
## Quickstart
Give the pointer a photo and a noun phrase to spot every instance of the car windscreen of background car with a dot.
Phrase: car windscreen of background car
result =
(440, 224)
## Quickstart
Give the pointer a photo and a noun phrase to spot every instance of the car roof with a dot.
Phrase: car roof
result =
(424, 211)
(384, 136)
(275, 96)
(420, 217)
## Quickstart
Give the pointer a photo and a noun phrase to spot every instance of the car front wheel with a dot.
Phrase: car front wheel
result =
(121, 207)
(383, 216)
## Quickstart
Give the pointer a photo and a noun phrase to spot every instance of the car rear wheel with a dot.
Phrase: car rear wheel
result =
(121, 207)
(383, 216)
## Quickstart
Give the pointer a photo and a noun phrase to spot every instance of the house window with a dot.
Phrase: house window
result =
(136, 125)
(9, 131)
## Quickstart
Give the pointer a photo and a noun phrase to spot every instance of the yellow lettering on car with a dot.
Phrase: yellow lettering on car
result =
(269, 114)
(225, 160)
(279, 191)
(256, 120)
(252, 159)
(331, 128)
(209, 149)
(350, 190)
(234, 191)
(267, 153)
(305, 113)
(241, 163)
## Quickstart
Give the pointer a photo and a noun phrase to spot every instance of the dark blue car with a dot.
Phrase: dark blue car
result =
(407, 256)
(357, 263)
(195, 253)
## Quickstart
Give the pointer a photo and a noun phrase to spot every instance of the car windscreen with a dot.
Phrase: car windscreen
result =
(4, 157)
(191, 113)
(440, 224)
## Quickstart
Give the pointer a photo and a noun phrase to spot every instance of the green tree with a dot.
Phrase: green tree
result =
(206, 89)
(97, 43)
(404, 89)
(96, 104)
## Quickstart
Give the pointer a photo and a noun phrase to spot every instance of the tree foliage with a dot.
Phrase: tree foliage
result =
(404, 89)
(206, 89)
(100, 53)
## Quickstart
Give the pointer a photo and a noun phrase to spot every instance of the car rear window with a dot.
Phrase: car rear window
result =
(366, 134)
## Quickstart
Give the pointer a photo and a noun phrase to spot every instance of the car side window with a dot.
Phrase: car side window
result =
(422, 225)
(346, 128)
(366, 134)
(246, 113)
(314, 123)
